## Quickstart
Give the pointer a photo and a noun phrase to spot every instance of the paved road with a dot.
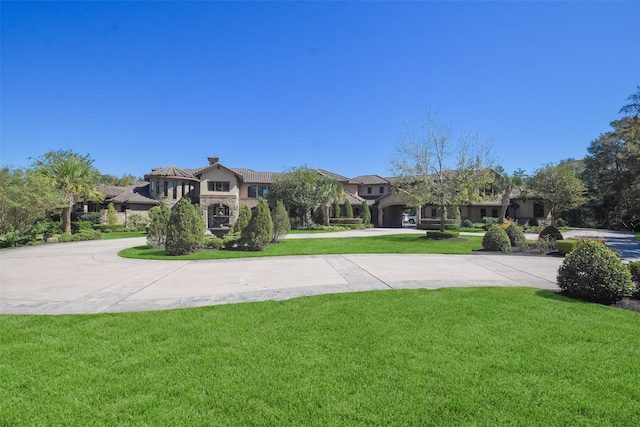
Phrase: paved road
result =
(89, 277)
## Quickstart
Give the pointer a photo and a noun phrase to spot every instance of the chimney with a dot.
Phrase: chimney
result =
(213, 160)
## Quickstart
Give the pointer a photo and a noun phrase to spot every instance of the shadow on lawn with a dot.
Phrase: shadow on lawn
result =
(625, 304)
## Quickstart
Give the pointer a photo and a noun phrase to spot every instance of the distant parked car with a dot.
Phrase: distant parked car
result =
(411, 219)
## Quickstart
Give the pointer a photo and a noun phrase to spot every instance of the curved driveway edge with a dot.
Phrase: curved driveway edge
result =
(89, 277)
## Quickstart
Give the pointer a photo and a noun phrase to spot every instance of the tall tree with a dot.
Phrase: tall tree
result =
(73, 175)
(25, 198)
(612, 172)
(159, 216)
(302, 189)
(433, 169)
(560, 189)
(504, 185)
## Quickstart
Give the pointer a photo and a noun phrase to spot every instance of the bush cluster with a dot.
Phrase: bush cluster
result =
(516, 236)
(595, 273)
(467, 223)
(496, 239)
(552, 232)
(566, 246)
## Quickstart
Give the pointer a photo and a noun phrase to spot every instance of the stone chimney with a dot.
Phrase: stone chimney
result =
(213, 160)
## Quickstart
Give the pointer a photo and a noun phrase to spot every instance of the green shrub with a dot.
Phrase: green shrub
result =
(533, 222)
(85, 234)
(229, 241)
(92, 217)
(423, 226)
(634, 267)
(594, 272)
(552, 232)
(185, 230)
(366, 213)
(467, 223)
(335, 208)
(77, 226)
(496, 239)
(561, 223)
(281, 223)
(112, 215)
(47, 228)
(565, 247)
(159, 216)
(345, 221)
(478, 225)
(105, 228)
(64, 237)
(213, 243)
(516, 236)
(244, 215)
(348, 209)
(259, 232)
(440, 235)
(488, 221)
(136, 220)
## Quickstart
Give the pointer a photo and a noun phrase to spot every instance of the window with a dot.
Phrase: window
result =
(483, 213)
(183, 189)
(494, 213)
(218, 185)
(157, 188)
(166, 188)
(174, 187)
(538, 210)
(381, 190)
(123, 208)
(368, 190)
(255, 191)
(152, 187)
(434, 212)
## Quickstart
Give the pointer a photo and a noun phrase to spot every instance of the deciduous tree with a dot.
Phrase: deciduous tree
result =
(431, 168)
(559, 188)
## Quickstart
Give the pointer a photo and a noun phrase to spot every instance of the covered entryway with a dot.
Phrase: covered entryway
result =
(388, 211)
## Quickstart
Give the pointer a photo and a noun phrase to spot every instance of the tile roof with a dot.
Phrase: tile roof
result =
(371, 180)
(172, 172)
(250, 176)
(335, 176)
(134, 193)
(354, 199)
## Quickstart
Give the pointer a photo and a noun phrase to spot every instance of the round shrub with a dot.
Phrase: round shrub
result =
(594, 272)
(496, 239)
(437, 235)
(516, 235)
(552, 233)
(533, 222)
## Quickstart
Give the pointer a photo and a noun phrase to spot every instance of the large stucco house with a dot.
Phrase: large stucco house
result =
(220, 190)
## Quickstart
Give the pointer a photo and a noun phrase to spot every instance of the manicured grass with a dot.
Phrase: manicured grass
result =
(392, 244)
(123, 235)
(471, 230)
(314, 231)
(638, 236)
(450, 357)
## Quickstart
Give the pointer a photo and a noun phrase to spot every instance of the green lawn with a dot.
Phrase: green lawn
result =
(394, 244)
(123, 235)
(449, 357)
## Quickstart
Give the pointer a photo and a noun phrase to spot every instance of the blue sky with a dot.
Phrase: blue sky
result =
(272, 85)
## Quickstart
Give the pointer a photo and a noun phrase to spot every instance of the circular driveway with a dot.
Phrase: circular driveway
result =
(89, 277)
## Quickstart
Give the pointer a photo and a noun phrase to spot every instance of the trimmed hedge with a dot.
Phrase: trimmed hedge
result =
(345, 221)
(565, 247)
(104, 228)
(432, 226)
(441, 235)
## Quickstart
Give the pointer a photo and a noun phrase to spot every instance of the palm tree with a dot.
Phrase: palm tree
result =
(327, 190)
(73, 176)
(505, 185)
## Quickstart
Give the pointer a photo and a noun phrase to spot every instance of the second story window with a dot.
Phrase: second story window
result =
(368, 190)
(255, 191)
(218, 185)
(381, 190)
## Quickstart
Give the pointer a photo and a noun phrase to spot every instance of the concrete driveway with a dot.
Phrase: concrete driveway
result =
(89, 277)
